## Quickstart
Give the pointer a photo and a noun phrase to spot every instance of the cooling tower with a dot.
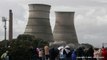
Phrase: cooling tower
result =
(38, 22)
(64, 29)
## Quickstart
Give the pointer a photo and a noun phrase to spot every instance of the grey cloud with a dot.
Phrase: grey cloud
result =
(87, 3)
(76, 3)
(90, 16)
(18, 16)
(90, 28)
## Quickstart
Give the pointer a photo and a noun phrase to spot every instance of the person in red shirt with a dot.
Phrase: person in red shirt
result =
(104, 53)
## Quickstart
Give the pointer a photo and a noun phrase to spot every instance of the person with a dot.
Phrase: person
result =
(68, 52)
(62, 54)
(97, 54)
(5, 56)
(80, 53)
(90, 53)
(37, 53)
(73, 55)
(51, 54)
(104, 53)
(46, 50)
(41, 54)
(85, 53)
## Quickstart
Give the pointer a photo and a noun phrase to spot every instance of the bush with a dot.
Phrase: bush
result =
(20, 48)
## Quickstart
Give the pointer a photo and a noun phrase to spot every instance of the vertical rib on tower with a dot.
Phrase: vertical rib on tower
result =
(38, 22)
(64, 28)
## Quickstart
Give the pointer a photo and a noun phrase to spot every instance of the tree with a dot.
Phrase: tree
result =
(19, 49)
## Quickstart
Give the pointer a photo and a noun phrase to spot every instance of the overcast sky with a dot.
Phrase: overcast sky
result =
(90, 17)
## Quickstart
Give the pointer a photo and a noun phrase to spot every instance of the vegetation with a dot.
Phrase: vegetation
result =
(19, 49)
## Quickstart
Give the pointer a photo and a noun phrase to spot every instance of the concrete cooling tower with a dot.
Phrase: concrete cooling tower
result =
(64, 29)
(38, 22)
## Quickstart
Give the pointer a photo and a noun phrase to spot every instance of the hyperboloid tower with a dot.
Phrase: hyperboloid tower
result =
(39, 22)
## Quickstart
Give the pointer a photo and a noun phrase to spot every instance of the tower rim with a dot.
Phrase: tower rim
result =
(40, 4)
(64, 12)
